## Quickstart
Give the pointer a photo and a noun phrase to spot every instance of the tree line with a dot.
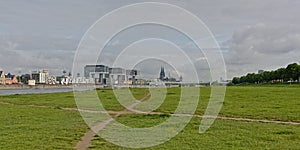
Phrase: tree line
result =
(289, 74)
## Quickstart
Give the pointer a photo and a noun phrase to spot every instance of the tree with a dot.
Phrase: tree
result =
(236, 80)
(297, 75)
(291, 72)
(266, 76)
(281, 74)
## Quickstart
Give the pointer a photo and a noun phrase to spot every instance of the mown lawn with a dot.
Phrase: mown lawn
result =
(39, 128)
(274, 103)
(66, 99)
(26, 127)
(224, 134)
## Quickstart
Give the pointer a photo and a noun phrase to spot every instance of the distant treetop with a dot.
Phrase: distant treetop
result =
(289, 74)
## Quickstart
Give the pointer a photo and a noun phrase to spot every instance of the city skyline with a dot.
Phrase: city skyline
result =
(83, 74)
(252, 36)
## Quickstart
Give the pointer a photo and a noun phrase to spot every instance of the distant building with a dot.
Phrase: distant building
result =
(100, 73)
(222, 82)
(31, 82)
(162, 74)
(105, 75)
(40, 76)
(64, 80)
(260, 71)
(164, 78)
(117, 76)
(51, 80)
(11, 79)
(2, 77)
(82, 80)
(25, 78)
(180, 79)
(131, 75)
(156, 82)
(140, 82)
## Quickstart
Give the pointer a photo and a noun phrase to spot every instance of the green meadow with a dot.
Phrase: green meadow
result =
(39, 121)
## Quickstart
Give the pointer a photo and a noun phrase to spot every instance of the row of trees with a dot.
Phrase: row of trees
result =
(289, 74)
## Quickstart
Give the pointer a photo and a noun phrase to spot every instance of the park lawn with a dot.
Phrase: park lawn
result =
(63, 99)
(110, 102)
(66, 99)
(24, 127)
(274, 103)
(259, 102)
(223, 134)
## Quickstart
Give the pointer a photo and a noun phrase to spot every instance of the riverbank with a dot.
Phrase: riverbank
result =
(77, 86)
(40, 86)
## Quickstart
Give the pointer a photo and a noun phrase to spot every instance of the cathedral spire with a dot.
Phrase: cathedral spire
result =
(162, 74)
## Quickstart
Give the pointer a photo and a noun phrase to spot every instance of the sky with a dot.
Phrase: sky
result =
(253, 35)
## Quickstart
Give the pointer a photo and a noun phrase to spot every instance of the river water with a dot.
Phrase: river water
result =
(33, 91)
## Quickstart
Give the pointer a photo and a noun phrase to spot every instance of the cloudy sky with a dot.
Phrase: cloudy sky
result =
(44, 34)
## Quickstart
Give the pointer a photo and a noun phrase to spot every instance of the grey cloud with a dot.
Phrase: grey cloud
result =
(267, 39)
(44, 34)
(28, 61)
(263, 46)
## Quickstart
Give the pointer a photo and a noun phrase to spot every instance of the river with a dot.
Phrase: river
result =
(34, 91)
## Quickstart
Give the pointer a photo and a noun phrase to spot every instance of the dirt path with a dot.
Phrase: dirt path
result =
(118, 113)
(240, 119)
(86, 140)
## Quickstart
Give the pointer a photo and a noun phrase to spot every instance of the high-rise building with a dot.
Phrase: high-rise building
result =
(117, 75)
(40, 76)
(100, 73)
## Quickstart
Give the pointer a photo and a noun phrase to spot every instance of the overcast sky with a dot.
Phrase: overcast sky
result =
(44, 34)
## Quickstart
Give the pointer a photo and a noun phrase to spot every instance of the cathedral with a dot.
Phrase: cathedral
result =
(162, 75)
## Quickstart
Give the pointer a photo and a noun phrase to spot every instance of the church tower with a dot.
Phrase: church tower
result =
(162, 74)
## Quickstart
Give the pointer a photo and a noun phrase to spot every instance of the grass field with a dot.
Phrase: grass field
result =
(224, 134)
(25, 126)
(39, 128)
